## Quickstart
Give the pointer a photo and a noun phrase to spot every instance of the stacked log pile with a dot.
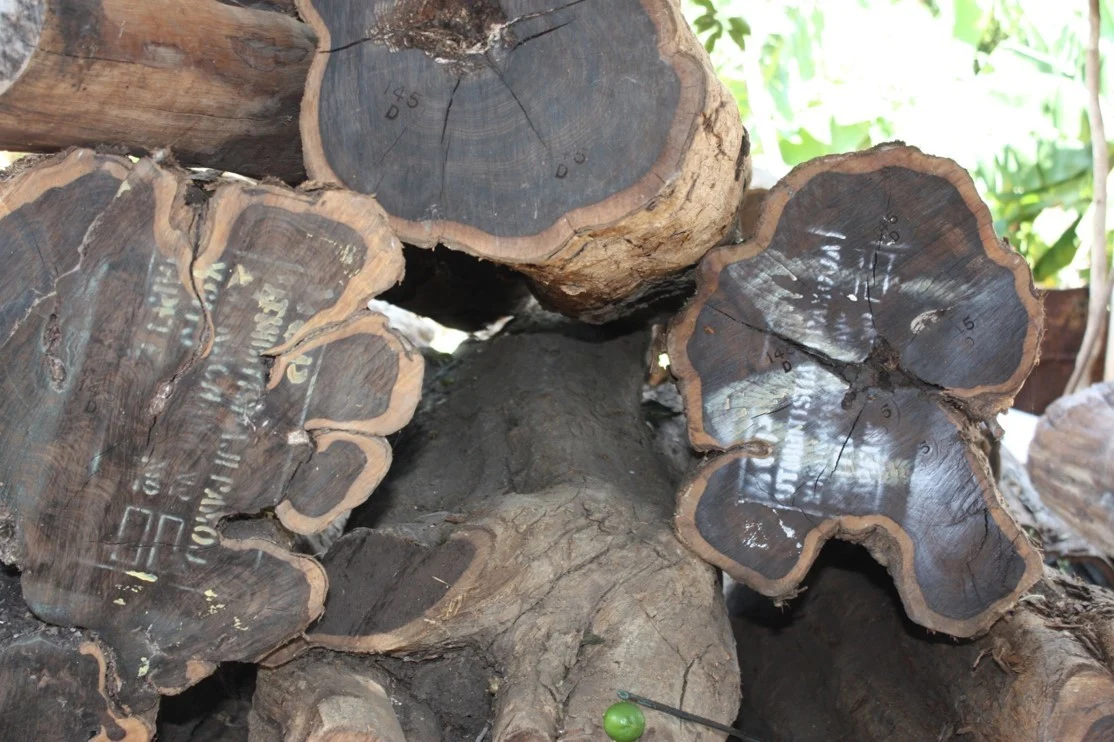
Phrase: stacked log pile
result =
(209, 475)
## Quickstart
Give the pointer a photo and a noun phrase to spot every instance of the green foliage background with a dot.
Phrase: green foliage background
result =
(997, 85)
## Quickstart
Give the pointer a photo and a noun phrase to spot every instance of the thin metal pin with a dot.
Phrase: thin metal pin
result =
(641, 701)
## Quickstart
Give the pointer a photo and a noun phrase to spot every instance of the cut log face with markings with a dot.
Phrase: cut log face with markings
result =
(170, 361)
(564, 138)
(847, 361)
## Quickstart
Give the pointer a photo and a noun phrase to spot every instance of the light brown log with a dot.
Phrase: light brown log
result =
(847, 361)
(1071, 462)
(588, 145)
(215, 84)
(325, 697)
(1060, 542)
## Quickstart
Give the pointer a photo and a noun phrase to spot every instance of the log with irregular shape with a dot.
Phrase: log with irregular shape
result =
(847, 361)
(174, 360)
(588, 144)
(533, 529)
(216, 84)
(1071, 462)
(57, 684)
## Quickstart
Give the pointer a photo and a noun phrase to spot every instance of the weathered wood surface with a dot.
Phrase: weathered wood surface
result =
(1062, 545)
(843, 663)
(528, 520)
(1071, 462)
(326, 696)
(589, 145)
(846, 360)
(57, 684)
(173, 358)
(216, 84)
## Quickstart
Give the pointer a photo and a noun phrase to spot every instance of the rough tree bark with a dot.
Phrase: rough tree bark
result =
(57, 684)
(1071, 462)
(844, 664)
(588, 145)
(216, 84)
(173, 358)
(528, 521)
(848, 360)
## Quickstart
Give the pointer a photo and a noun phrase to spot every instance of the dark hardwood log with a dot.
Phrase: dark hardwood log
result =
(533, 528)
(1071, 462)
(174, 360)
(57, 684)
(843, 663)
(589, 145)
(216, 84)
(847, 360)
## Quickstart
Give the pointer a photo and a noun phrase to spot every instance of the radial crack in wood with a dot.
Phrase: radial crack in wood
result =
(57, 684)
(847, 360)
(173, 361)
(216, 84)
(537, 534)
(588, 144)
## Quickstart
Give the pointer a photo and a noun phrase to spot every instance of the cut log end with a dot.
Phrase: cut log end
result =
(1071, 462)
(57, 683)
(565, 141)
(178, 359)
(847, 359)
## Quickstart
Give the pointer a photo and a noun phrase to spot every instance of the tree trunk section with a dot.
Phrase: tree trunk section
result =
(1071, 462)
(176, 359)
(57, 684)
(843, 663)
(589, 145)
(847, 362)
(216, 84)
(542, 544)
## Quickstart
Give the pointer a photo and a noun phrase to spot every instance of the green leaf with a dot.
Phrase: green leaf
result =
(738, 30)
(801, 146)
(704, 22)
(1060, 255)
(710, 42)
(968, 22)
(850, 137)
